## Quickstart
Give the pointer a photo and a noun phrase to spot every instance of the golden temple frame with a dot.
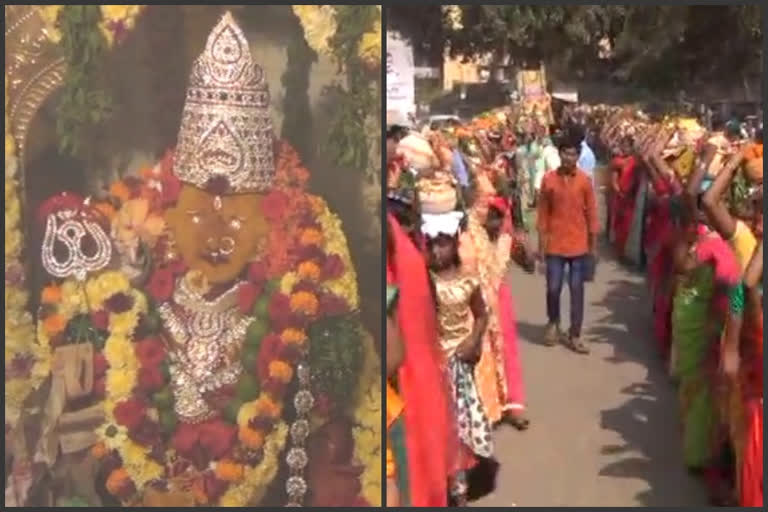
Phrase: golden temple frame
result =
(34, 69)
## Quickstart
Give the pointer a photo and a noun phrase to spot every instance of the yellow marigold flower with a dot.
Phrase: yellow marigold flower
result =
(369, 48)
(247, 411)
(119, 433)
(311, 236)
(50, 13)
(119, 352)
(120, 383)
(103, 287)
(73, 299)
(12, 244)
(232, 499)
(12, 213)
(319, 23)
(123, 323)
(287, 282)
(51, 294)
(10, 146)
(304, 302)
(281, 371)
(309, 270)
(133, 453)
(147, 471)
(293, 336)
(139, 302)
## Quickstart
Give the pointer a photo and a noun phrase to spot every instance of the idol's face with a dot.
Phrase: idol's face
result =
(217, 234)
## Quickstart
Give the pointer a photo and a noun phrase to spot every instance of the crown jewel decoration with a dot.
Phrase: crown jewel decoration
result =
(226, 131)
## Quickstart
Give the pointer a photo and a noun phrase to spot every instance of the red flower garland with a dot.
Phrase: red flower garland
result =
(289, 211)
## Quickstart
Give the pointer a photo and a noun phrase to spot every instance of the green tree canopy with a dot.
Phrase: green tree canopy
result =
(661, 47)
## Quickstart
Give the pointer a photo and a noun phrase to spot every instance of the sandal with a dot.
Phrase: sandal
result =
(577, 345)
(552, 335)
(519, 422)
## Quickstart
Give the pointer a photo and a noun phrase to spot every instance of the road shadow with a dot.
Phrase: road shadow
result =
(648, 421)
(532, 333)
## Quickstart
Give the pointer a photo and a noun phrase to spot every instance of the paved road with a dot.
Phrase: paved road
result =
(605, 428)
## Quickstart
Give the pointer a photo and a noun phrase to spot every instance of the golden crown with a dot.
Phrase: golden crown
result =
(226, 131)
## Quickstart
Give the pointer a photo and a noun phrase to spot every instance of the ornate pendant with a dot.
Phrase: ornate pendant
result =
(74, 228)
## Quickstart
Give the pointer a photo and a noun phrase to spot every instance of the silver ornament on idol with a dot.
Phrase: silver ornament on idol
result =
(297, 458)
(70, 227)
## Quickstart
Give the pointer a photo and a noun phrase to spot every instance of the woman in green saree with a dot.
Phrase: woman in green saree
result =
(705, 267)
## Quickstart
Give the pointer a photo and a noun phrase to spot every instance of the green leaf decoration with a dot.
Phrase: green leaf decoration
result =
(353, 102)
(83, 106)
(247, 387)
(336, 357)
(231, 410)
(256, 331)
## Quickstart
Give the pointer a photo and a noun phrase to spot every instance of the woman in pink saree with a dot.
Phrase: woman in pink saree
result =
(485, 249)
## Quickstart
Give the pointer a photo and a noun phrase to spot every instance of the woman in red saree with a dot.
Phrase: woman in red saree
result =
(660, 235)
(742, 366)
(430, 439)
(751, 381)
(623, 184)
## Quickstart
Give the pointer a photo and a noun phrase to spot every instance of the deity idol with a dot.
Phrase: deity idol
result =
(204, 325)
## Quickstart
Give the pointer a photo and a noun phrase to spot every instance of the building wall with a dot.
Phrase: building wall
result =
(456, 71)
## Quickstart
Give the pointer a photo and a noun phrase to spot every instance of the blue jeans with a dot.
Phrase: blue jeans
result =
(555, 277)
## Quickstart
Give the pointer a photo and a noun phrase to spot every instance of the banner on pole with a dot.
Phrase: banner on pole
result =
(401, 73)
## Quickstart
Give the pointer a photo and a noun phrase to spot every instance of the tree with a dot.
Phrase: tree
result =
(661, 47)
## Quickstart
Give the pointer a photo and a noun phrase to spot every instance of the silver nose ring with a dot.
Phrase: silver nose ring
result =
(227, 245)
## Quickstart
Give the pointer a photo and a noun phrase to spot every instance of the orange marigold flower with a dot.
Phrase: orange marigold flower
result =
(268, 407)
(251, 438)
(311, 236)
(293, 336)
(117, 480)
(120, 190)
(51, 294)
(317, 204)
(304, 302)
(309, 270)
(229, 471)
(281, 371)
(106, 209)
(99, 450)
(54, 324)
(148, 172)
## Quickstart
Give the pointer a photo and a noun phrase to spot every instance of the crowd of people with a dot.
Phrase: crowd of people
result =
(466, 200)
(686, 204)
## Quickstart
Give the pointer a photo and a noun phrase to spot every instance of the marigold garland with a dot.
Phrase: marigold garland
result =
(27, 362)
(336, 244)
(303, 285)
(367, 433)
(319, 24)
(116, 21)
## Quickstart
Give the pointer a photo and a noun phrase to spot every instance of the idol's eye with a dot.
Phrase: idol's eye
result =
(195, 216)
(236, 223)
